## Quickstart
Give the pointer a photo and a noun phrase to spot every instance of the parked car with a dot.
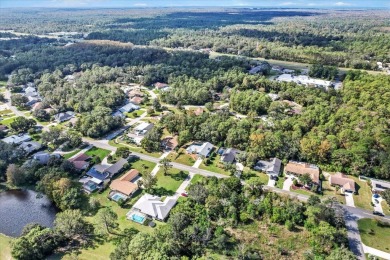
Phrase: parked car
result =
(274, 177)
(376, 201)
(378, 213)
(184, 194)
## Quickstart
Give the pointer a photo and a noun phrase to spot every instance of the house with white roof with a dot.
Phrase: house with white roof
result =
(17, 139)
(153, 207)
(143, 128)
(129, 107)
(202, 150)
(30, 146)
(270, 167)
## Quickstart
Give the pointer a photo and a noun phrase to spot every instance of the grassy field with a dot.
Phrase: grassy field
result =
(134, 148)
(375, 234)
(215, 165)
(135, 114)
(140, 165)
(168, 184)
(5, 248)
(181, 157)
(8, 121)
(101, 153)
(197, 178)
(68, 155)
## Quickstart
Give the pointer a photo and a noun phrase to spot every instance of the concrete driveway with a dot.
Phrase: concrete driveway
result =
(377, 206)
(349, 199)
(287, 183)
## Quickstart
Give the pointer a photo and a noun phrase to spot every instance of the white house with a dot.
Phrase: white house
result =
(153, 207)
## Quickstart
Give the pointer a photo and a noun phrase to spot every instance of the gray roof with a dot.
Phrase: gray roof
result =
(31, 146)
(17, 139)
(116, 167)
(64, 116)
(154, 207)
(229, 155)
(128, 107)
(269, 166)
(201, 150)
(43, 157)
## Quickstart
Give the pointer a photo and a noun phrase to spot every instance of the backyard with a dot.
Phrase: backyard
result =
(101, 153)
(168, 184)
(375, 234)
(181, 157)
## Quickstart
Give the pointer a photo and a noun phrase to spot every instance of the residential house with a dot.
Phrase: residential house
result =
(273, 96)
(98, 172)
(90, 184)
(30, 89)
(116, 167)
(153, 207)
(260, 69)
(30, 146)
(136, 100)
(32, 100)
(270, 167)
(136, 93)
(80, 162)
(228, 155)
(62, 117)
(125, 184)
(36, 106)
(379, 186)
(295, 108)
(159, 85)
(43, 157)
(129, 107)
(301, 168)
(202, 150)
(118, 114)
(143, 128)
(342, 181)
(3, 128)
(199, 111)
(169, 143)
(17, 139)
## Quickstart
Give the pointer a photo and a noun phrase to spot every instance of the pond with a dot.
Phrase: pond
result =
(21, 207)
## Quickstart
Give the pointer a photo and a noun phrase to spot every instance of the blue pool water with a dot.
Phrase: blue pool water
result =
(117, 196)
(137, 218)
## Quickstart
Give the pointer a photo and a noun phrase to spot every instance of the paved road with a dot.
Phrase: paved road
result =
(373, 251)
(354, 239)
(7, 95)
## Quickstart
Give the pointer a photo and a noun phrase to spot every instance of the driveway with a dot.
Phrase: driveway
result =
(376, 252)
(271, 183)
(377, 206)
(349, 199)
(287, 183)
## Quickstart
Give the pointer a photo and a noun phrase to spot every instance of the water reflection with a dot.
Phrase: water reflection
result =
(21, 207)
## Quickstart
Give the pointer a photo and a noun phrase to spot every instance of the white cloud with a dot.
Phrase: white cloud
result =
(287, 3)
(140, 4)
(342, 4)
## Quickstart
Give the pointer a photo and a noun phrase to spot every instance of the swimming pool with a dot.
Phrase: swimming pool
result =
(118, 196)
(138, 218)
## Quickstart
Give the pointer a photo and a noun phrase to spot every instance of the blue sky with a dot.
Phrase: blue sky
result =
(154, 3)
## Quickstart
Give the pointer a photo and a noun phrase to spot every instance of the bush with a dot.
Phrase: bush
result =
(289, 225)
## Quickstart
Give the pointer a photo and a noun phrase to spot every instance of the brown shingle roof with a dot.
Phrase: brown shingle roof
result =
(303, 168)
(123, 184)
(343, 181)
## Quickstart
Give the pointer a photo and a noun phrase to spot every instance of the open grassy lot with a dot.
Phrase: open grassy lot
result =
(197, 178)
(142, 165)
(5, 247)
(181, 157)
(375, 234)
(68, 155)
(101, 153)
(8, 121)
(5, 112)
(168, 184)
(214, 165)
(133, 148)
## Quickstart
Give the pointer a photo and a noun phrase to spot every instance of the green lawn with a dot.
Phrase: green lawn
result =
(279, 183)
(140, 165)
(5, 112)
(214, 165)
(8, 121)
(5, 247)
(375, 234)
(181, 157)
(385, 207)
(134, 148)
(101, 153)
(363, 197)
(135, 114)
(303, 192)
(197, 178)
(68, 155)
(168, 184)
